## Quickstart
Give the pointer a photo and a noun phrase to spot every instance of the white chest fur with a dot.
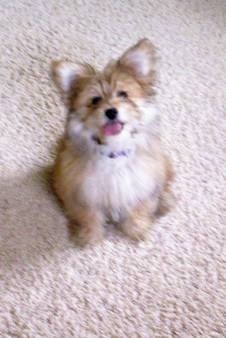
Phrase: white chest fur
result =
(117, 185)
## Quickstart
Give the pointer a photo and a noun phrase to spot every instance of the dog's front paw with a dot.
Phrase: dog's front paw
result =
(136, 229)
(84, 235)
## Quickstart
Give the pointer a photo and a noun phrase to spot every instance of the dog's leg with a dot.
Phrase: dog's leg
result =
(137, 224)
(87, 225)
(166, 199)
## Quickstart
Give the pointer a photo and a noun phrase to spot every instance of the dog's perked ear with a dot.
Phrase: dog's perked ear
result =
(67, 75)
(139, 60)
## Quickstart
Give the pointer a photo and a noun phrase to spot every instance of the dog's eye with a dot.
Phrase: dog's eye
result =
(123, 94)
(96, 99)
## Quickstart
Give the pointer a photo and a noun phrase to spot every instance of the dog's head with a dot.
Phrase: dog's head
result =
(113, 106)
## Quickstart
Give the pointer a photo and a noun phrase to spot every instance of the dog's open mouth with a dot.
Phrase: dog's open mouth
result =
(112, 128)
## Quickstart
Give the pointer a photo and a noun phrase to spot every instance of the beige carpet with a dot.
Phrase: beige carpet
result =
(169, 286)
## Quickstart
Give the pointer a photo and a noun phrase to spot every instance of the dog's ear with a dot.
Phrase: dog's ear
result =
(139, 60)
(67, 75)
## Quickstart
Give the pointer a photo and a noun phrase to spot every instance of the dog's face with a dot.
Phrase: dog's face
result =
(111, 106)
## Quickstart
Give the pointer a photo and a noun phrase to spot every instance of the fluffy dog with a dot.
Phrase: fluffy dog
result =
(111, 165)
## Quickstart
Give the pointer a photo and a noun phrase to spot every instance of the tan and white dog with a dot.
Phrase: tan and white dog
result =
(111, 164)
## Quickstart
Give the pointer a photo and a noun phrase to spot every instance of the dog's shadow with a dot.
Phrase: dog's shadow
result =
(33, 224)
(31, 221)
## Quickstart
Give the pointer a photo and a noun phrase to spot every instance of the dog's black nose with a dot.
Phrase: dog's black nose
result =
(111, 113)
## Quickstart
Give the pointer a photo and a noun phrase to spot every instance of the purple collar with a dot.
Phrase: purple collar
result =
(116, 154)
(113, 154)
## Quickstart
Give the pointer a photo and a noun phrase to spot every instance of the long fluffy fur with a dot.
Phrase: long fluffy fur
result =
(93, 186)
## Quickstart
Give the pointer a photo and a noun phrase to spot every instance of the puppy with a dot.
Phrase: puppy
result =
(111, 165)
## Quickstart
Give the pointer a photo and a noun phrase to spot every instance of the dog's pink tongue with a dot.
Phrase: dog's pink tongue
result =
(112, 128)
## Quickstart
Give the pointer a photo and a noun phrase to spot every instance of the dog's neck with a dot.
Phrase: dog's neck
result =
(112, 154)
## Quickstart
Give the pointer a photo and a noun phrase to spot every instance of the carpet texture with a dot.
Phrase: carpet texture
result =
(172, 285)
